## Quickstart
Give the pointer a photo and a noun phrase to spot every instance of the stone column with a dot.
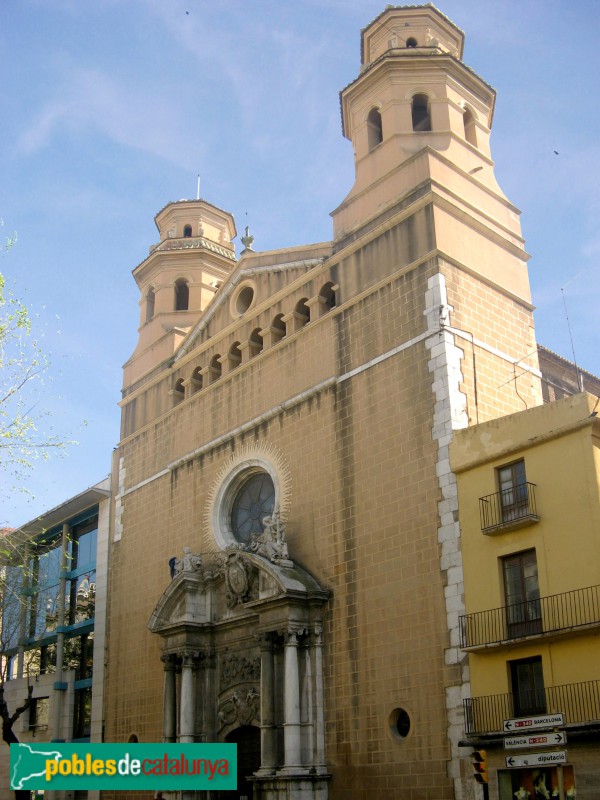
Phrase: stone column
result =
(169, 699)
(187, 714)
(208, 685)
(268, 739)
(291, 727)
(319, 707)
(307, 706)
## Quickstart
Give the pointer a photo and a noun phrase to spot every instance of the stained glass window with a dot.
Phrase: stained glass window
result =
(254, 500)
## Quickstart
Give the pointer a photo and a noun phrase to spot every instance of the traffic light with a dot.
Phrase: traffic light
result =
(480, 766)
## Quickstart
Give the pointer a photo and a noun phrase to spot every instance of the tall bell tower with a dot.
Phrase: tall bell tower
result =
(419, 120)
(426, 208)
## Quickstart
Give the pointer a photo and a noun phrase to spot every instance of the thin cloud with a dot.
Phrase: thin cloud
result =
(89, 100)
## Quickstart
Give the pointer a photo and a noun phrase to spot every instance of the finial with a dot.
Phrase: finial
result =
(247, 241)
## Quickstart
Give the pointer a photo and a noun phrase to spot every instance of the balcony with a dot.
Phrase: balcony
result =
(509, 509)
(547, 615)
(579, 702)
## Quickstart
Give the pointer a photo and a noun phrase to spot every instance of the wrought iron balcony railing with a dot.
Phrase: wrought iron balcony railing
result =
(579, 702)
(508, 508)
(545, 615)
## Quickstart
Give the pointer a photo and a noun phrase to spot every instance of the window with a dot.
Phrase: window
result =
(82, 714)
(399, 723)
(79, 655)
(39, 714)
(514, 497)
(255, 342)
(235, 355)
(215, 368)
(197, 380)
(11, 580)
(44, 571)
(527, 683)
(522, 594)
(182, 295)
(411, 42)
(374, 128)
(150, 304)
(469, 123)
(327, 293)
(278, 328)
(187, 231)
(303, 312)
(243, 299)
(254, 500)
(178, 391)
(421, 117)
(81, 588)
(48, 659)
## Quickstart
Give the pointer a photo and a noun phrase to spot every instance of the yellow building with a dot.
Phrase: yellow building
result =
(529, 498)
(286, 418)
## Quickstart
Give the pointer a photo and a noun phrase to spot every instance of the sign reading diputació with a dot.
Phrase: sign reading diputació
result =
(167, 767)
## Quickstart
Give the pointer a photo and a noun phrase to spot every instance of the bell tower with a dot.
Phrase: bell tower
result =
(419, 120)
(178, 279)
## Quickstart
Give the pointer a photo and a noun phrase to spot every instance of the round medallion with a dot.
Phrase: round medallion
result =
(238, 580)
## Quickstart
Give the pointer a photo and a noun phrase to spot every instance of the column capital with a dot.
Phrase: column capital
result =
(170, 661)
(317, 634)
(265, 640)
(190, 658)
(207, 658)
(292, 633)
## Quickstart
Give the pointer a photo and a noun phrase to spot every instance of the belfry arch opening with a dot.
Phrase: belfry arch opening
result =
(374, 128)
(150, 301)
(421, 114)
(470, 129)
(182, 295)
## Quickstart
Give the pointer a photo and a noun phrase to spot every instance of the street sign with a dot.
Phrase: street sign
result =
(537, 759)
(530, 723)
(550, 739)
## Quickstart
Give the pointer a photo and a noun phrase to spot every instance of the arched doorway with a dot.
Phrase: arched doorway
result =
(247, 738)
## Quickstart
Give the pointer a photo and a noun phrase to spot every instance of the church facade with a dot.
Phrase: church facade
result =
(286, 516)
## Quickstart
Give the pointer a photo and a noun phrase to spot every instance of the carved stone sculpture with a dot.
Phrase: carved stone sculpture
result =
(241, 707)
(271, 542)
(190, 562)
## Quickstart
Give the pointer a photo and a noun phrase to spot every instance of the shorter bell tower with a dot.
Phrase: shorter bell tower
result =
(178, 279)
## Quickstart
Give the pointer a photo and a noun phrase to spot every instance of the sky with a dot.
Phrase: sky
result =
(110, 109)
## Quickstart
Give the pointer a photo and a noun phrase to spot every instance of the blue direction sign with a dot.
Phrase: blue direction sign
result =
(531, 723)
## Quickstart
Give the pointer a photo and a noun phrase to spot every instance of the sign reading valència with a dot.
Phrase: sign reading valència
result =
(167, 767)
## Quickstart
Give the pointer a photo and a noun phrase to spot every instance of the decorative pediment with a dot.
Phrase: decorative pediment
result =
(208, 589)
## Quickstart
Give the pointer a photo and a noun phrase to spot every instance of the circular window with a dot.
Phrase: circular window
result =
(249, 487)
(254, 500)
(399, 723)
(243, 299)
